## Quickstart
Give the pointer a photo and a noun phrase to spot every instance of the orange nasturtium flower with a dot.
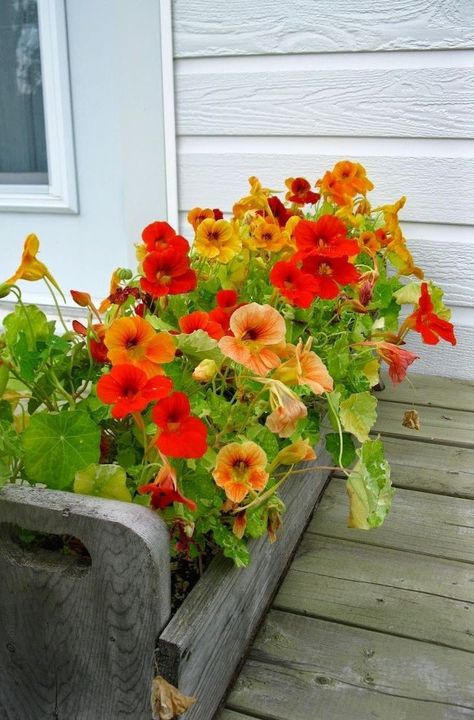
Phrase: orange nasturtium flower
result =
(304, 367)
(197, 215)
(240, 468)
(30, 267)
(217, 240)
(133, 340)
(257, 331)
(267, 236)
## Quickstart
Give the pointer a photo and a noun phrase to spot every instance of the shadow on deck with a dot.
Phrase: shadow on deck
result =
(380, 624)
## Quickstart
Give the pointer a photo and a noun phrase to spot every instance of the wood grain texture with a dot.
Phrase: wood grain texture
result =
(303, 668)
(432, 102)
(219, 179)
(428, 390)
(418, 522)
(439, 469)
(205, 28)
(206, 639)
(231, 715)
(437, 425)
(78, 644)
(399, 593)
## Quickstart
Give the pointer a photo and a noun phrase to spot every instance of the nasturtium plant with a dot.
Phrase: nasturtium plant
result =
(204, 378)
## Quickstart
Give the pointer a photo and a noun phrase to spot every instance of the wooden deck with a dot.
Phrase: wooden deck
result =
(380, 624)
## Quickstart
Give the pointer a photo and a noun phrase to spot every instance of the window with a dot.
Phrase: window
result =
(36, 149)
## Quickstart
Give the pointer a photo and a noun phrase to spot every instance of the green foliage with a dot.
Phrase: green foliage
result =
(358, 414)
(369, 487)
(107, 481)
(333, 446)
(57, 445)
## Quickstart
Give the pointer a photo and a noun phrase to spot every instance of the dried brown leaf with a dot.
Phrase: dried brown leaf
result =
(411, 420)
(166, 701)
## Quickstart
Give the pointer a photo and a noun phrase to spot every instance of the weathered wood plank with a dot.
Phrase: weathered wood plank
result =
(206, 639)
(431, 390)
(303, 668)
(392, 176)
(80, 637)
(204, 28)
(419, 522)
(401, 593)
(431, 102)
(437, 425)
(231, 715)
(441, 469)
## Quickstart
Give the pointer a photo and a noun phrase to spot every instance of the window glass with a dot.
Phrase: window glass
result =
(23, 157)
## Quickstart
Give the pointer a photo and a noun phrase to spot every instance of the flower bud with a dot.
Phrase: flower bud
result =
(82, 299)
(124, 274)
(205, 371)
(5, 290)
(294, 453)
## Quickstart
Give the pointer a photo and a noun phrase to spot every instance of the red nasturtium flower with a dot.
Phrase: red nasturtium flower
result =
(297, 286)
(200, 320)
(397, 359)
(164, 490)
(279, 211)
(129, 390)
(326, 236)
(160, 236)
(300, 191)
(330, 272)
(427, 323)
(181, 434)
(97, 346)
(167, 273)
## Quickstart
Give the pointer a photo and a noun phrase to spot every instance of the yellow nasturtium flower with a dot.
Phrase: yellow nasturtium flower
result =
(30, 267)
(217, 240)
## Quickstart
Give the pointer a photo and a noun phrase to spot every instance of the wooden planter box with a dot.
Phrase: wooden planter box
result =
(83, 642)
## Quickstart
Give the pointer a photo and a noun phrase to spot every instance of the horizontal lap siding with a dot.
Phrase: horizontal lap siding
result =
(278, 89)
(211, 27)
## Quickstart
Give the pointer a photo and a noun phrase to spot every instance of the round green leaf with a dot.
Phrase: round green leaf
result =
(57, 445)
(107, 481)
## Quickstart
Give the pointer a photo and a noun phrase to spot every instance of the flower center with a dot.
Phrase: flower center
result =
(325, 269)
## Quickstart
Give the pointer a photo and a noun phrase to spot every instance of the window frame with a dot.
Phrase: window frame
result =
(60, 194)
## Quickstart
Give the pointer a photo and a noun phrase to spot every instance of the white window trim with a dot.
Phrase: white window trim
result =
(60, 195)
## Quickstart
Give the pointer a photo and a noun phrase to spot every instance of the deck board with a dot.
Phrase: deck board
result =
(426, 390)
(418, 522)
(400, 593)
(379, 625)
(440, 469)
(437, 425)
(302, 668)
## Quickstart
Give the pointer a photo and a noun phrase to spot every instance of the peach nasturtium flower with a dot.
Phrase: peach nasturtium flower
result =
(133, 340)
(287, 408)
(30, 267)
(304, 367)
(217, 240)
(257, 331)
(240, 468)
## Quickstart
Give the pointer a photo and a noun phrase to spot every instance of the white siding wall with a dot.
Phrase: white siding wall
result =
(276, 88)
